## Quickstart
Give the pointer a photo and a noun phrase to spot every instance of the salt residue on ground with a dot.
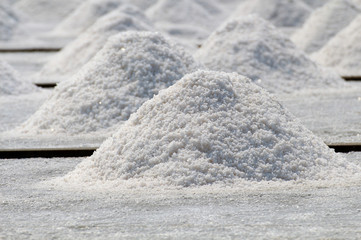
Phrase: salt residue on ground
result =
(130, 69)
(8, 22)
(343, 51)
(209, 127)
(324, 23)
(11, 83)
(282, 13)
(253, 47)
(77, 53)
(84, 16)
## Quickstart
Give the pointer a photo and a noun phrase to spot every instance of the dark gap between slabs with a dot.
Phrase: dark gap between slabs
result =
(46, 85)
(46, 153)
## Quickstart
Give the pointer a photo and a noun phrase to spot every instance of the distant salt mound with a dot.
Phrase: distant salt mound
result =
(8, 22)
(77, 53)
(85, 15)
(282, 13)
(252, 47)
(209, 127)
(324, 23)
(343, 51)
(11, 83)
(46, 10)
(130, 69)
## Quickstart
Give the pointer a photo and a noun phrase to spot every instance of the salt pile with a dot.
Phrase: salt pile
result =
(8, 22)
(85, 15)
(324, 23)
(77, 53)
(209, 127)
(282, 13)
(11, 83)
(343, 52)
(130, 69)
(252, 47)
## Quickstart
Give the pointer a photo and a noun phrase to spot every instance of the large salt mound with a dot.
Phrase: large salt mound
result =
(77, 53)
(209, 127)
(85, 15)
(8, 22)
(282, 13)
(252, 47)
(130, 69)
(11, 83)
(343, 51)
(323, 24)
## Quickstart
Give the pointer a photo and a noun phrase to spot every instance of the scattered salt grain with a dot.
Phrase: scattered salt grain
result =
(253, 47)
(209, 127)
(343, 51)
(130, 69)
(323, 24)
(8, 22)
(77, 53)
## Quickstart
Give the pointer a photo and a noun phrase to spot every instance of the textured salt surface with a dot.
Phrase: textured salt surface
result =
(11, 82)
(324, 23)
(77, 53)
(130, 69)
(8, 21)
(84, 16)
(209, 127)
(315, 3)
(254, 48)
(343, 51)
(282, 13)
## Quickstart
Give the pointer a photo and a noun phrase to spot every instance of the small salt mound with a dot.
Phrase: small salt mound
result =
(77, 53)
(209, 127)
(46, 10)
(323, 24)
(8, 22)
(343, 51)
(252, 47)
(11, 83)
(282, 13)
(130, 69)
(85, 15)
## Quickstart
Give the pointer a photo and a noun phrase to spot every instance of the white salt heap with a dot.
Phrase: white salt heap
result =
(209, 127)
(8, 22)
(252, 47)
(85, 15)
(324, 23)
(77, 53)
(130, 69)
(11, 82)
(282, 13)
(343, 52)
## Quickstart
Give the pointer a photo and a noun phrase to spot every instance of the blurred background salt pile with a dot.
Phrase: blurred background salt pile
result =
(108, 57)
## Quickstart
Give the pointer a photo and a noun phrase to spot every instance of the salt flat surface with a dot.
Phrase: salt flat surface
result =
(31, 209)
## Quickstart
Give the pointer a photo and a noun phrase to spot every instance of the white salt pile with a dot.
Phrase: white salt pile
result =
(282, 13)
(209, 127)
(46, 10)
(11, 82)
(323, 24)
(77, 53)
(8, 22)
(130, 69)
(252, 47)
(343, 52)
(84, 16)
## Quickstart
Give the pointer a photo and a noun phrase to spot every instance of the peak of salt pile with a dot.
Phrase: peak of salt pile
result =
(11, 83)
(85, 15)
(282, 13)
(77, 53)
(8, 22)
(324, 23)
(130, 69)
(209, 127)
(343, 51)
(252, 47)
